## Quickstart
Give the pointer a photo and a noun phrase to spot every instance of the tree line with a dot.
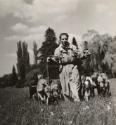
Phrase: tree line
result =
(103, 57)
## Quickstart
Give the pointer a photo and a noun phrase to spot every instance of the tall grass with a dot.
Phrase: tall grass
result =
(17, 109)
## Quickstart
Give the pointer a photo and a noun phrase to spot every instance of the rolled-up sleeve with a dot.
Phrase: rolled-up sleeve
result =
(57, 54)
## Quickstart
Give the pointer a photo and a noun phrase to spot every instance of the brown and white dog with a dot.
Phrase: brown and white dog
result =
(48, 93)
(43, 91)
(97, 81)
(88, 87)
(104, 85)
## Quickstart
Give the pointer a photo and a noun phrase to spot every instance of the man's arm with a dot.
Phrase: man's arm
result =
(54, 57)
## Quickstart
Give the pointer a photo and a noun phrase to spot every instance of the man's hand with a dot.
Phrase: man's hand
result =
(49, 59)
(53, 58)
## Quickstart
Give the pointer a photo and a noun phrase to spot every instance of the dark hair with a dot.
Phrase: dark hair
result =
(85, 42)
(66, 34)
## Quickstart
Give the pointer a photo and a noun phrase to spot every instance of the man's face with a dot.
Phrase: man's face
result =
(64, 40)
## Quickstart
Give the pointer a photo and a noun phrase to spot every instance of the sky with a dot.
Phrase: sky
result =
(27, 20)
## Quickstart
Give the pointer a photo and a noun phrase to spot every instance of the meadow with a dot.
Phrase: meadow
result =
(17, 109)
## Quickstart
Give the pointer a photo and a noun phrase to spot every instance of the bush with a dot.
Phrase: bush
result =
(20, 83)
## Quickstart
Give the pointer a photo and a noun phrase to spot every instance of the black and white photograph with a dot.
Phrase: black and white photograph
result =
(57, 62)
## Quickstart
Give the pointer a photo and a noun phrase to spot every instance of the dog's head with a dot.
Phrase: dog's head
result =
(87, 84)
(100, 79)
(47, 90)
(55, 90)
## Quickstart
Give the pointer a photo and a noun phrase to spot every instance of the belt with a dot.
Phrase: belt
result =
(63, 64)
(33, 85)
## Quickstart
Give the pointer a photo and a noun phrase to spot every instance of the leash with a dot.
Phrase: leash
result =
(48, 77)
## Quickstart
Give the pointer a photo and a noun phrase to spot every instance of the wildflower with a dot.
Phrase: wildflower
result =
(70, 122)
(64, 113)
(59, 120)
(85, 108)
(110, 103)
(108, 107)
(51, 113)
(42, 110)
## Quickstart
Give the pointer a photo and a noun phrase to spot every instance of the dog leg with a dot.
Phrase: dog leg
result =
(40, 97)
(47, 101)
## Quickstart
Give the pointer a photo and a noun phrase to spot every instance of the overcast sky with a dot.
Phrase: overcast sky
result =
(28, 19)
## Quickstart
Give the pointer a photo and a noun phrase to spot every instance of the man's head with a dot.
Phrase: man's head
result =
(64, 39)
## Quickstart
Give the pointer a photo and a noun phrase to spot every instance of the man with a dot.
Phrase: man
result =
(69, 76)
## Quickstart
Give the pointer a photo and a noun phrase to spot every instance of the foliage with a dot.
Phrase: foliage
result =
(6, 80)
(102, 47)
(74, 42)
(23, 63)
(9, 79)
(14, 76)
(35, 51)
(30, 75)
(48, 47)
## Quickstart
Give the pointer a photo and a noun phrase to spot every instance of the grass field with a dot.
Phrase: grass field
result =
(17, 109)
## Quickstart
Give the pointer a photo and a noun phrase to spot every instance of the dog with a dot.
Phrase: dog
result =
(43, 91)
(48, 92)
(87, 89)
(102, 84)
(94, 78)
(56, 91)
(105, 89)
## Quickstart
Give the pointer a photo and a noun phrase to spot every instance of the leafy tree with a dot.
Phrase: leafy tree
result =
(6, 80)
(25, 56)
(35, 51)
(74, 42)
(99, 45)
(48, 47)
(112, 46)
(23, 63)
(14, 76)
(89, 35)
(93, 38)
(114, 70)
(107, 63)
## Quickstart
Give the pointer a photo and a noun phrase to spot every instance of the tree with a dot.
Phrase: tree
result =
(85, 45)
(89, 35)
(93, 39)
(14, 76)
(48, 47)
(112, 46)
(74, 42)
(25, 56)
(107, 64)
(114, 70)
(20, 65)
(35, 51)
(7, 80)
(22, 59)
